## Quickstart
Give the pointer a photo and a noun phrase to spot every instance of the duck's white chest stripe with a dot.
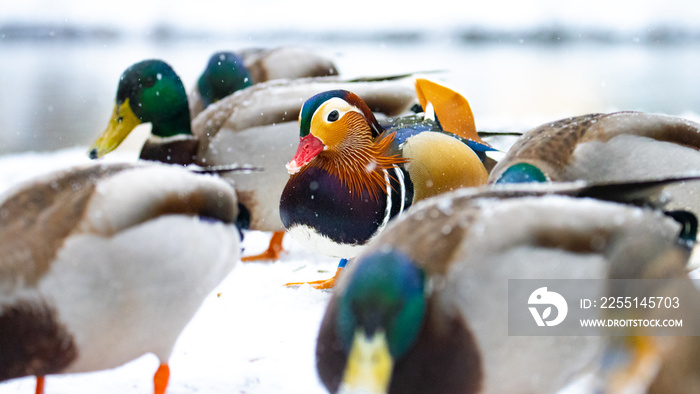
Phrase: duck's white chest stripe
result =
(402, 187)
(389, 202)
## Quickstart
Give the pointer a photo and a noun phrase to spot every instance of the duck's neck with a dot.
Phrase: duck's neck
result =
(359, 163)
(178, 123)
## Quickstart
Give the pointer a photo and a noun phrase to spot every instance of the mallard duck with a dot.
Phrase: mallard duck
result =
(224, 75)
(101, 264)
(246, 127)
(424, 307)
(603, 147)
(616, 147)
(351, 174)
(228, 72)
(620, 146)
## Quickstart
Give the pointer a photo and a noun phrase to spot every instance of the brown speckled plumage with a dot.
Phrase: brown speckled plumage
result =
(552, 146)
(553, 142)
(35, 222)
(434, 249)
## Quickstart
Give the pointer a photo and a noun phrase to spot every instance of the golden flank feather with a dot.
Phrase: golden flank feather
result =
(439, 163)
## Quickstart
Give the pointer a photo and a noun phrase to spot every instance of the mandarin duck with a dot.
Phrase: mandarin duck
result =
(101, 264)
(252, 126)
(424, 307)
(228, 72)
(352, 174)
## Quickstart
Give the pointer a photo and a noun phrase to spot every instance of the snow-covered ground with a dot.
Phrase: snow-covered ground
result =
(252, 334)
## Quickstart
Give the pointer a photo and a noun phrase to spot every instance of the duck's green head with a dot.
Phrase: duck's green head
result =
(380, 316)
(522, 173)
(224, 75)
(148, 91)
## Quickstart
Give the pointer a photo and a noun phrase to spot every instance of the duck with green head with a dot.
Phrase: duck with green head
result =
(615, 147)
(234, 131)
(424, 308)
(228, 72)
(224, 75)
(151, 92)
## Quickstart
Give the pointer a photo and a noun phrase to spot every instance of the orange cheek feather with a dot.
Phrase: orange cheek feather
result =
(309, 147)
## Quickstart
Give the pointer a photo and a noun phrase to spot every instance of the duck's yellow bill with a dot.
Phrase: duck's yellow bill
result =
(451, 108)
(369, 365)
(122, 121)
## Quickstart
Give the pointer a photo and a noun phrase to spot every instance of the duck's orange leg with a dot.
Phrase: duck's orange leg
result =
(324, 283)
(161, 378)
(274, 250)
(39, 385)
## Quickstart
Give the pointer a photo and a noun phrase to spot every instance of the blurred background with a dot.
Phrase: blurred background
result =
(519, 63)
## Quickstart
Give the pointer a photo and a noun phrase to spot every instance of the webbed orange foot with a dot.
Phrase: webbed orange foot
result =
(320, 284)
(273, 252)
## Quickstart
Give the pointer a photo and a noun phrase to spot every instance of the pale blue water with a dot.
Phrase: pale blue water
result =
(56, 94)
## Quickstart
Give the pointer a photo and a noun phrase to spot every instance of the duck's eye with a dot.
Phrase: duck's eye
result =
(149, 82)
(333, 115)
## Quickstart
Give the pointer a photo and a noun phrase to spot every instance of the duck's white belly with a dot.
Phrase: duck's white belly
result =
(133, 293)
(322, 244)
